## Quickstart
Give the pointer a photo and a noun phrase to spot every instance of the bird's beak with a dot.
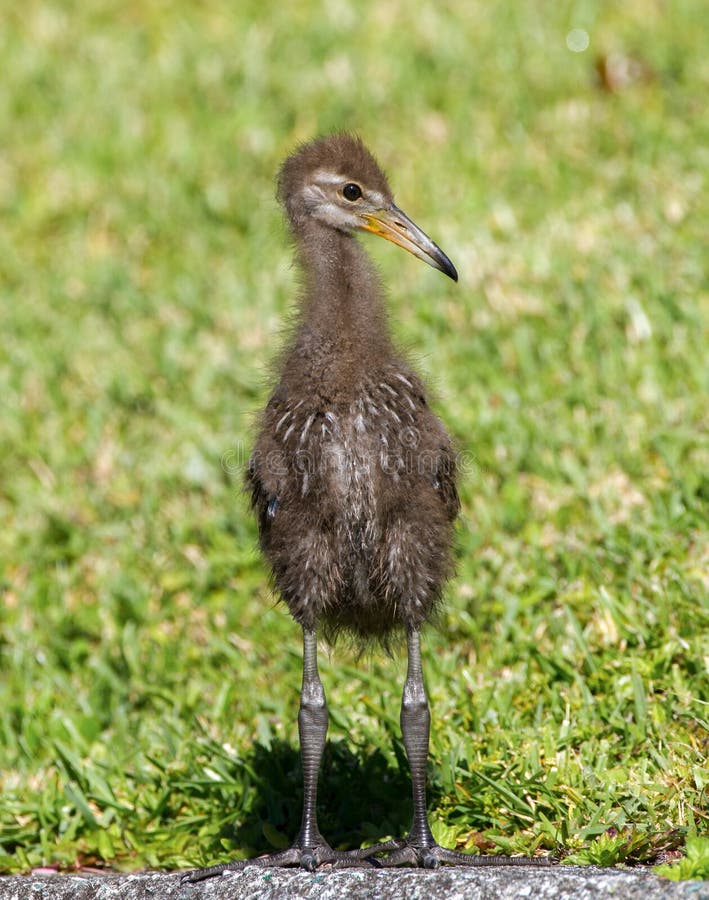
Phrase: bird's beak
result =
(394, 225)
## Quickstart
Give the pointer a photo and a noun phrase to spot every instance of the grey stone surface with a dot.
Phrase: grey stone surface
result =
(561, 882)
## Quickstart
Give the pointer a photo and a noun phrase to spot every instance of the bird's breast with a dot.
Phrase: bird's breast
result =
(349, 456)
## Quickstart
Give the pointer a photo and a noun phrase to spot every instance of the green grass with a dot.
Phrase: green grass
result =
(148, 685)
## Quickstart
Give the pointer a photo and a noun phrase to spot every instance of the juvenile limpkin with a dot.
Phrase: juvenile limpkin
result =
(352, 476)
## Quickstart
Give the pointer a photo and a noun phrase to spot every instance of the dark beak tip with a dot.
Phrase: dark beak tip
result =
(447, 267)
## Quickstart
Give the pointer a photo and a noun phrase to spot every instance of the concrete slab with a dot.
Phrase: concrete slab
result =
(559, 883)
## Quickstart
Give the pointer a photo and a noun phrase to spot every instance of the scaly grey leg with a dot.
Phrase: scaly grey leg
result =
(312, 729)
(415, 729)
(309, 849)
(419, 848)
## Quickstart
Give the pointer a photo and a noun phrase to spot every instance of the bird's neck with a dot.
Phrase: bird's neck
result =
(343, 303)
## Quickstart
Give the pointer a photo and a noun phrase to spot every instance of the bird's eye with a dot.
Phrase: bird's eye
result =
(352, 191)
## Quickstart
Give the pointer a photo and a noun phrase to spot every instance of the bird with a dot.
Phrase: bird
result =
(353, 478)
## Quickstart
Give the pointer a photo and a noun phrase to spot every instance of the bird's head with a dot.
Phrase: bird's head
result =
(336, 181)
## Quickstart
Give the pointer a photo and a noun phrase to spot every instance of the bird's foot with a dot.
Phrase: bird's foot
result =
(401, 852)
(408, 853)
(309, 858)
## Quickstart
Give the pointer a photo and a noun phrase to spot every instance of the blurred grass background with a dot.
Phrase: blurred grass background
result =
(148, 686)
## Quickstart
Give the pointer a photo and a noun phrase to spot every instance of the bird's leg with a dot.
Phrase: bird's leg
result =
(415, 728)
(419, 848)
(309, 849)
(312, 729)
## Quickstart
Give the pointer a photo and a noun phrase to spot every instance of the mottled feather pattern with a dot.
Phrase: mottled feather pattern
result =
(368, 486)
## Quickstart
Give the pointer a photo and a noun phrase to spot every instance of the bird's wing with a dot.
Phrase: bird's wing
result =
(444, 479)
(267, 465)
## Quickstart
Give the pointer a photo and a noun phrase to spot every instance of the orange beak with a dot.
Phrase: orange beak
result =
(394, 225)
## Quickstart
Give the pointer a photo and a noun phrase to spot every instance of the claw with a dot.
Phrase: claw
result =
(308, 862)
(197, 875)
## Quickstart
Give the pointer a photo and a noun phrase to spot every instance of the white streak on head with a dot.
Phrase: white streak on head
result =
(326, 176)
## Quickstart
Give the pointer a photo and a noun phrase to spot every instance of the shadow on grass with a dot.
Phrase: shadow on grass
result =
(362, 798)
